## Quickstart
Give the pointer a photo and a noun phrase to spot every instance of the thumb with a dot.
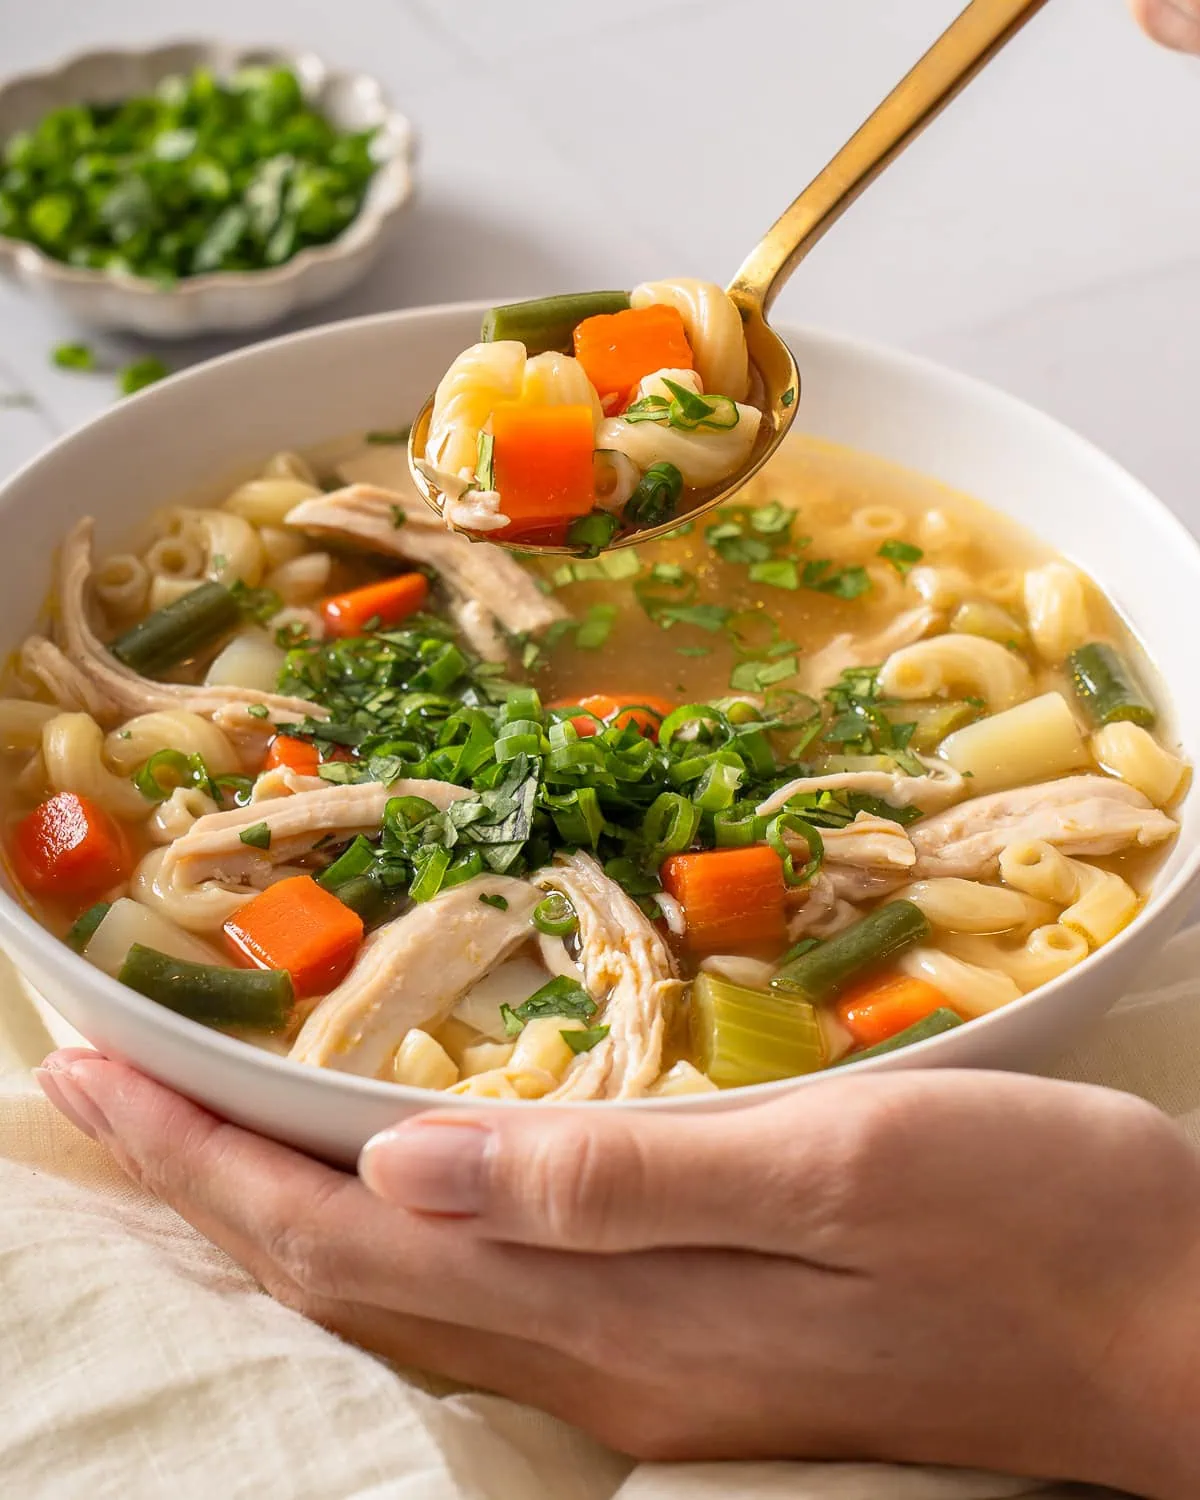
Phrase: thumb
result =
(615, 1180)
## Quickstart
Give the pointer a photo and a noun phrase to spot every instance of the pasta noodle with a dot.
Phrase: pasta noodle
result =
(942, 533)
(887, 587)
(553, 379)
(1035, 741)
(266, 502)
(971, 989)
(1003, 586)
(1136, 757)
(281, 545)
(422, 1063)
(201, 908)
(1056, 606)
(1047, 952)
(1103, 905)
(289, 465)
(71, 748)
(233, 552)
(875, 523)
(302, 579)
(714, 330)
(175, 558)
(480, 378)
(22, 721)
(955, 663)
(1037, 868)
(172, 818)
(942, 587)
(137, 740)
(970, 906)
(702, 457)
(122, 584)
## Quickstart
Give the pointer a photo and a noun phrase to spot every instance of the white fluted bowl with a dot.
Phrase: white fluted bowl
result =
(218, 301)
(198, 428)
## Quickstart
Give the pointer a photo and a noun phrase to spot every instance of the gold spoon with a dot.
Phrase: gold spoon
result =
(967, 44)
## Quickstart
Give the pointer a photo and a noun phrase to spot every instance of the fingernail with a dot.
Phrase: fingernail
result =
(65, 1093)
(435, 1167)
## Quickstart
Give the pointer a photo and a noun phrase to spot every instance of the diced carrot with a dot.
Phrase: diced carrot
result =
(69, 847)
(642, 710)
(299, 926)
(297, 755)
(878, 1009)
(730, 897)
(378, 605)
(542, 464)
(619, 349)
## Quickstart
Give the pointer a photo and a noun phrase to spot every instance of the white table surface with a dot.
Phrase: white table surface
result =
(1045, 234)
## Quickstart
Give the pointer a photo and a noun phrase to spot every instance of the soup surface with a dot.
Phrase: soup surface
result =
(830, 771)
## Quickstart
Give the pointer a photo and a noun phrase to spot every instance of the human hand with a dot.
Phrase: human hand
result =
(957, 1268)
(1175, 23)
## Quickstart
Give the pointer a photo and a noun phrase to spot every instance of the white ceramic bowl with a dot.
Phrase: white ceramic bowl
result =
(221, 300)
(201, 426)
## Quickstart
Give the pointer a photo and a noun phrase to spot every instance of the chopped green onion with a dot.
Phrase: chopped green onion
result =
(788, 396)
(485, 471)
(355, 860)
(596, 626)
(843, 583)
(779, 573)
(689, 411)
(75, 357)
(1106, 689)
(655, 497)
(669, 826)
(141, 373)
(168, 769)
(593, 532)
(499, 902)
(786, 823)
(555, 916)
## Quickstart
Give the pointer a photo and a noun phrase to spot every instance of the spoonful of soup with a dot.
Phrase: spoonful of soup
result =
(600, 419)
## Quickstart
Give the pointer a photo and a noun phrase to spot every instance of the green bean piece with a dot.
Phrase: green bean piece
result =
(1105, 687)
(257, 998)
(992, 621)
(179, 629)
(820, 974)
(548, 322)
(743, 1036)
(84, 926)
(374, 902)
(934, 1024)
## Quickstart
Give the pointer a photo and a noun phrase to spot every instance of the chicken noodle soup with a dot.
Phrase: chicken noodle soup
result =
(578, 418)
(842, 767)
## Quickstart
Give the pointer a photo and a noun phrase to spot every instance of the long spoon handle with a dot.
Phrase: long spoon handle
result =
(970, 41)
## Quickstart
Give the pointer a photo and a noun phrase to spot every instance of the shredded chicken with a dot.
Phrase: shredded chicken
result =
(119, 692)
(938, 788)
(846, 651)
(495, 583)
(69, 687)
(628, 971)
(413, 971)
(822, 911)
(212, 848)
(1081, 815)
(869, 843)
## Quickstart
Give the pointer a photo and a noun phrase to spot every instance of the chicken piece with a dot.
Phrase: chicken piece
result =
(413, 971)
(845, 651)
(118, 691)
(822, 911)
(1081, 815)
(628, 971)
(938, 788)
(869, 843)
(69, 687)
(487, 578)
(212, 848)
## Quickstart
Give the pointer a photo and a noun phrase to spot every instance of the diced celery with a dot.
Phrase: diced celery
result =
(744, 1036)
(990, 620)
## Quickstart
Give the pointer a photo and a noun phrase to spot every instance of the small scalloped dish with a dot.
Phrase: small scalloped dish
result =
(220, 300)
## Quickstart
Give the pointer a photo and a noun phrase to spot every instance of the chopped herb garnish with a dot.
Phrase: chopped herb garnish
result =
(710, 617)
(561, 997)
(141, 373)
(258, 836)
(842, 583)
(596, 627)
(484, 469)
(778, 572)
(903, 556)
(656, 495)
(498, 902)
(754, 676)
(772, 519)
(788, 396)
(74, 357)
(585, 1040)
(693, 650)
(399, 517)
(258, 711)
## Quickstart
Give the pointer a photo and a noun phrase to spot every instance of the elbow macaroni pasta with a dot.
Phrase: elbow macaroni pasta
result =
(955, 663)
(422, 1063)
(172, 818)
(22, 721)
(971, 989)
(302, 579)
(478, 380)
(1136, 757)
(1056, 607)
(970, 906)
(132, 745)
(702, 457)
(122, 584)
(553, 379)
(267, 501)
(714, 330)
(71, 747)
(1047, 952)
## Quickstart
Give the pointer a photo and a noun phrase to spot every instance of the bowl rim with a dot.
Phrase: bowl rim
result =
(394, 174)
(18, 925)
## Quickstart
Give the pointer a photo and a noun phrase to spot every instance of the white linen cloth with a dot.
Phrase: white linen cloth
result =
(138, 1361)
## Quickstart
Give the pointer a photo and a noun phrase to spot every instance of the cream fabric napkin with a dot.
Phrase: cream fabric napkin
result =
(137, 1361)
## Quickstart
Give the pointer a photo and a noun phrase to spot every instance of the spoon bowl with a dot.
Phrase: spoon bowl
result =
(966, 46)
